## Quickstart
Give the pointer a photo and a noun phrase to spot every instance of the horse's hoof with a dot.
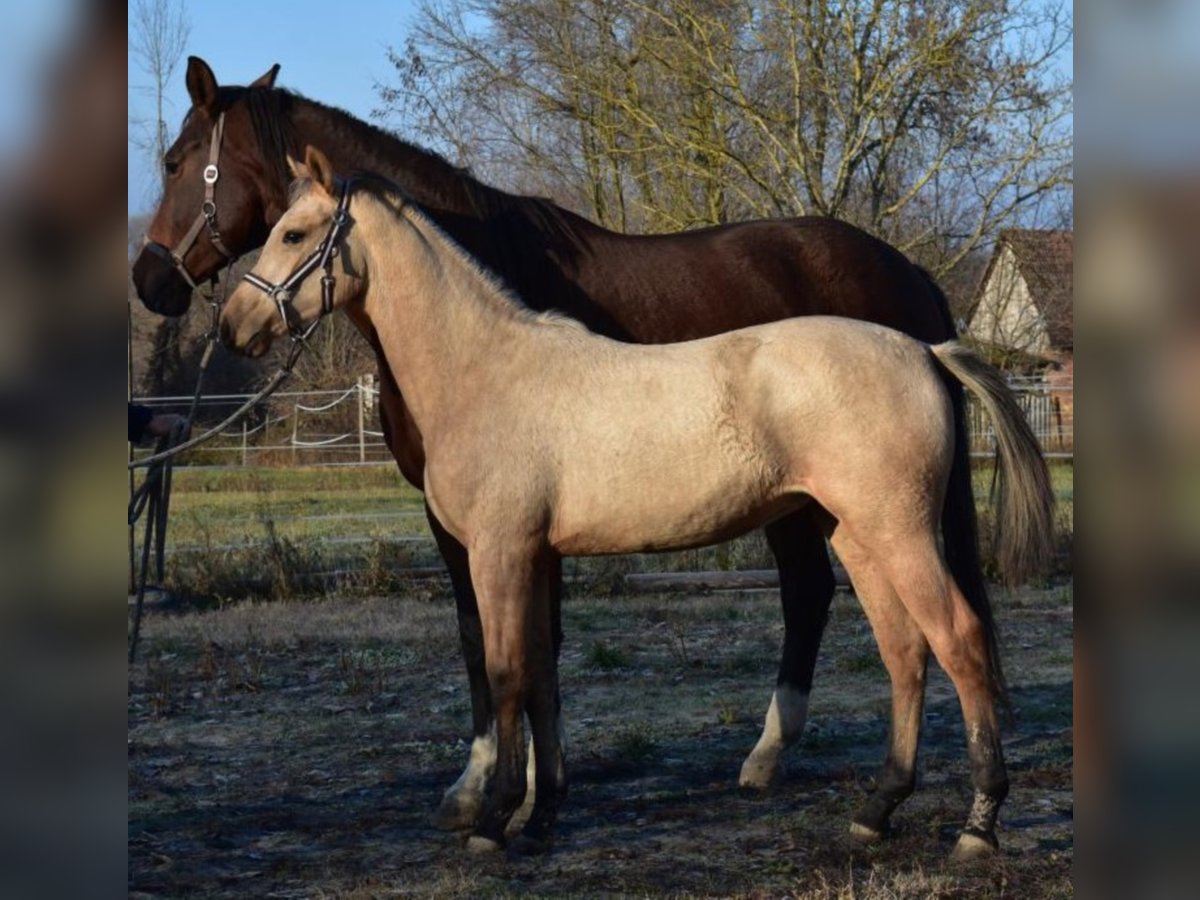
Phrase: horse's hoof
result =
(866, 834)
(528, 845)
(757, 774)
(456, 813)
(971, 847)
(477, 843)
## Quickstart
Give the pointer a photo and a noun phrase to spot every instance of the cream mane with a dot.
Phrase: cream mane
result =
(493, 290)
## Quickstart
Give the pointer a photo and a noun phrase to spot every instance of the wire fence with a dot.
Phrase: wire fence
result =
(226, 555)
(339, 426)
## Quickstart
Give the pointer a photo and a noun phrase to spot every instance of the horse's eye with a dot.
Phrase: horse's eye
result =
(293, 237)
(171, 166)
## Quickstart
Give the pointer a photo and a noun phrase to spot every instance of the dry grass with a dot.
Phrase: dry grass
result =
(286, 533)
(297, 749)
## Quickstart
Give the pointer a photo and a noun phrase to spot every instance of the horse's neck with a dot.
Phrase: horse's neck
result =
(442, 325)
(354, 145)
(451, 197)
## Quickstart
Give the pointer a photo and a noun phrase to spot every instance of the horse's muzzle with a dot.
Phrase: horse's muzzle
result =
(159, 284)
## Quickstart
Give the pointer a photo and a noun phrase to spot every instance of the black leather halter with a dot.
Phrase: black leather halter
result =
(321, 258)
(206, 218)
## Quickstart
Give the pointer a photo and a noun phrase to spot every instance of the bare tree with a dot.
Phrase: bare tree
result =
(934, 124)
(158, 36)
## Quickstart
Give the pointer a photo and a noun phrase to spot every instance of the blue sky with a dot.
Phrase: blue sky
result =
(325, 53)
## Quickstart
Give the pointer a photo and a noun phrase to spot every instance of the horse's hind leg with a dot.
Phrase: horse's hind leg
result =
(957, 638)
(806, 588)
(905, 654)
(463, 800)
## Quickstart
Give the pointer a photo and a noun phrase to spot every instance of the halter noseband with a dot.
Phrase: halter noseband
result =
(207, 217)
(322, 257)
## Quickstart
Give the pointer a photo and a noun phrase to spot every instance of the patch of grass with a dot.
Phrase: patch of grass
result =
(228, 672)
(160, 687)
(606, 657)
(601, 576)
(750, 662)
(361, 671)
(726, 713)
(1043, 715)
(635, 743)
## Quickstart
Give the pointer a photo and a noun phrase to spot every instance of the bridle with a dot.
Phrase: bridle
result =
(321, 258)
(206, 218)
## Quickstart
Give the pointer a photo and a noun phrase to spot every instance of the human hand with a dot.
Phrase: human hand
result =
(162, 425)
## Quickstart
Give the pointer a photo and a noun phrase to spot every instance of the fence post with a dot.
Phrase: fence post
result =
(362, 445)
(244, 450)
(295, 426)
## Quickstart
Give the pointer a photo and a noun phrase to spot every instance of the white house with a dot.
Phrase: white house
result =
(1024, 301)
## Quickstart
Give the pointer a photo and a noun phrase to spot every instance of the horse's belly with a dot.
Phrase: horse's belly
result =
(671, 509)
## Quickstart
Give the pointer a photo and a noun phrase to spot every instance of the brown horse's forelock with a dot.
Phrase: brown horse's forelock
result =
(271, 120)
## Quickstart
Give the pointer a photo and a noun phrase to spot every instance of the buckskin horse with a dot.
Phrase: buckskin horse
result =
(533, 451)
(225, 185)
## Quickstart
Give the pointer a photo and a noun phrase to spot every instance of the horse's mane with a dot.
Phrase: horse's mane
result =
(401, 203)
(434, 181)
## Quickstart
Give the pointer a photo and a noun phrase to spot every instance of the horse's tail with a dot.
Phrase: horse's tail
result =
(1024, 499)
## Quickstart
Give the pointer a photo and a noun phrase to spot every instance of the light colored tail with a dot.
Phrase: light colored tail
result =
(1024, 526)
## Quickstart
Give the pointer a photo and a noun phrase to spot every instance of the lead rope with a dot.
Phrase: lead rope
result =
(153, 496)
(154, 493)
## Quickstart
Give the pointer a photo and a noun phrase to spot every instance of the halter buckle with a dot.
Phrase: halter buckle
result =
(211, 174)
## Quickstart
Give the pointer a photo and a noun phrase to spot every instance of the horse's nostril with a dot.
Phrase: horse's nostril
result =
(226, 333)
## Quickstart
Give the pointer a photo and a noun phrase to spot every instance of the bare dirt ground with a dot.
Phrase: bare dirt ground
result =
(297, 749)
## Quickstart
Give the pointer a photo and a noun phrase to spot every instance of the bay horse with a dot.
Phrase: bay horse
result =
(644, 289)
(535, 450)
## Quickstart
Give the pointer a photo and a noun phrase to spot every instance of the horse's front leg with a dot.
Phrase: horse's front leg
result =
(806, 589)
(463, 801)
(512, 586)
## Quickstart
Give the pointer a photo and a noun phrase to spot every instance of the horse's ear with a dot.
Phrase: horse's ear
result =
(319, 168)
(267, 78)
(298, 169)
(201, 83)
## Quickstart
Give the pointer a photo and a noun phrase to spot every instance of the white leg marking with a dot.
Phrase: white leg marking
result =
(463, 800)
(530, 773)
(782, 728)
(531, 765)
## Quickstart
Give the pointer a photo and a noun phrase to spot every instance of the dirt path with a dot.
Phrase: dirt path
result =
(295, 750)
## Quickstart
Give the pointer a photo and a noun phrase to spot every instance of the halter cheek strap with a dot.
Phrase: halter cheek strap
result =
(321, 258)
(206, 218)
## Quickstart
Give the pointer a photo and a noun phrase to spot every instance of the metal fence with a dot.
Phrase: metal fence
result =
(338, 426)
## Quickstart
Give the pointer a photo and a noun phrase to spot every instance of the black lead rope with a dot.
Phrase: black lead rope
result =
(153, 496)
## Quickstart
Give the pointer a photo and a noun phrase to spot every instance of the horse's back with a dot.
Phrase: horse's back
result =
(698, 283)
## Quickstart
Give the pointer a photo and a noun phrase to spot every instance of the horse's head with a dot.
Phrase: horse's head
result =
(217, 200)
(308, 266)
